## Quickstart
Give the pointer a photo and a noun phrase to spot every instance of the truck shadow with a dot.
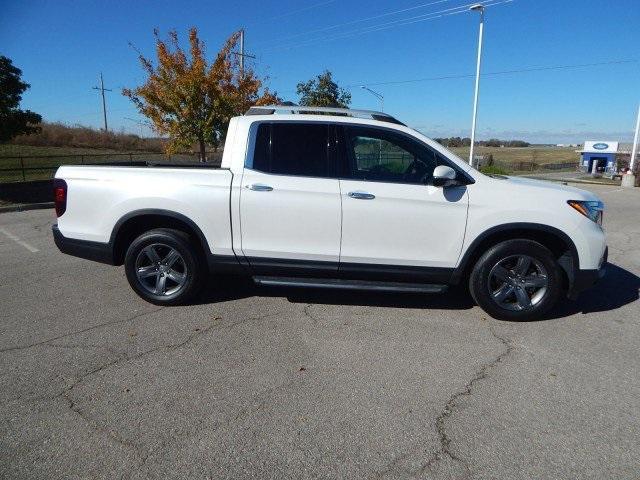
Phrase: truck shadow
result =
(619, 287)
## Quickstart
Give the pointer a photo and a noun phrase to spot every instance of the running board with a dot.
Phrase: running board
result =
(349, 284)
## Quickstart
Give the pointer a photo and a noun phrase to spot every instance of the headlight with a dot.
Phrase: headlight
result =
(590, 209)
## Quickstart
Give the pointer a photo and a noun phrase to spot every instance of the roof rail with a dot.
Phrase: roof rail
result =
(343, 112)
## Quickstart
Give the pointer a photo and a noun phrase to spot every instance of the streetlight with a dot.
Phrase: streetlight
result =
(629, 180)
(478, 7)
(379, 96)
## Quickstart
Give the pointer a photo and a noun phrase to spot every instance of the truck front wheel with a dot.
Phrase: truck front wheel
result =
(163, 267)
(516, 280)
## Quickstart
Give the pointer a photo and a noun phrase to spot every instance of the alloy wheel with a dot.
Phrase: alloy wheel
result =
(518, 282)
(160, 269)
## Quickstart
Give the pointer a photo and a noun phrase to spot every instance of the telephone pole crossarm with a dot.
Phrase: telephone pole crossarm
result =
(241, 53)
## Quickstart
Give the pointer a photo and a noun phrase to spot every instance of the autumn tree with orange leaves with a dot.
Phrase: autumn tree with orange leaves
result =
(192, 101)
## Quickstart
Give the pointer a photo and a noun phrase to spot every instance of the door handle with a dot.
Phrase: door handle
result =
(260, 187)
(362, 195)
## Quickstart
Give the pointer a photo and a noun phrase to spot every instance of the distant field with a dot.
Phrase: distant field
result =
(528, 154)
(46, 159)
(535, 154)
(8, 150)
(41, 162)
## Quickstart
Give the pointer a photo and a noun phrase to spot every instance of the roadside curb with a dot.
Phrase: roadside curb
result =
(26, 206)
(589, 182)
(571, 180)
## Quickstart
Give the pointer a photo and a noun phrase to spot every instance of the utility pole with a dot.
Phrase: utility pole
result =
(478, 8)
(104, 104)
(241, 53)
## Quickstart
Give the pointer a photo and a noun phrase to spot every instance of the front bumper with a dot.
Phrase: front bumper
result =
(585, 279)
(96, 251)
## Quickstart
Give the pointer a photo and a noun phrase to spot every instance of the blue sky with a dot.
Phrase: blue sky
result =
(62, 45)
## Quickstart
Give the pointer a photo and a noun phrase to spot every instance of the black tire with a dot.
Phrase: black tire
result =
(504, 299)
(182, 279)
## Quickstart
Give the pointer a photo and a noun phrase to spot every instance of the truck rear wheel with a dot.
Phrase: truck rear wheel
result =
(163, 267)
(516, 280)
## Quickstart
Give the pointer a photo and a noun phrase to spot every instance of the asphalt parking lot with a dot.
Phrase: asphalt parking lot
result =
(248, 383)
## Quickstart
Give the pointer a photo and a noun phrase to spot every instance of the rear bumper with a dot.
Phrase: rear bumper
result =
(96, 251)
(585, 279)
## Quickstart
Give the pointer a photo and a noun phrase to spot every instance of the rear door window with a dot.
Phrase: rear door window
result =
(292, 149)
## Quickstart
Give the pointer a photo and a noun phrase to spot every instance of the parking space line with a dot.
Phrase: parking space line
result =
(18, 241)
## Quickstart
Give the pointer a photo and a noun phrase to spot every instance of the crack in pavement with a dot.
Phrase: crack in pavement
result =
(66, 335)
(66, 394)
(241, 413)
(314, 319)
(78, 346)
(258, 402)
(447, 411)
(122, 359)
(76, 409)
(391, 466)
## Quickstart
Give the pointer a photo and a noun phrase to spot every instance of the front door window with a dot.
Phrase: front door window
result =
(385, 156)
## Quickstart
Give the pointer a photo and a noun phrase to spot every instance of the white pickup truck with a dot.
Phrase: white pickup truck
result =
(334, 198)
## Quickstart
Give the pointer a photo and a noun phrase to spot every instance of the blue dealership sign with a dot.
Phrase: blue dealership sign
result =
(600, 146)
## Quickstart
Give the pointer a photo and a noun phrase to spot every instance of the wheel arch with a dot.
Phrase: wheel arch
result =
(137, 222)
(554, 239)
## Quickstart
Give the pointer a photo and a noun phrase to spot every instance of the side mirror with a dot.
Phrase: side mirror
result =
(444, 176)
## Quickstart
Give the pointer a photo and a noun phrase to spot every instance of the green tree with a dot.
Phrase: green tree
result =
(322, 91)
(192, 100)
(14, 121)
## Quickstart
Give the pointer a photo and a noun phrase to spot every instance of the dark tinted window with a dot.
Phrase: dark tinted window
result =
(292, 149)
(261, 155)
(385, 156)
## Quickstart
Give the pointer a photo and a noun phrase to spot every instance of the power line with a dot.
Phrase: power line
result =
(358, 31)
(293, 12)
(353, 22)
(60, 99)
(146, 123)
(141, 123)
(395, 23)
(432, 16)
(500, 72)
(363, 30)
(303, 9)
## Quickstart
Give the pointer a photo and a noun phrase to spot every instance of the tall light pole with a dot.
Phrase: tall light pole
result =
(379, 96)
(629, 180)
(478, 8)
(634, 149)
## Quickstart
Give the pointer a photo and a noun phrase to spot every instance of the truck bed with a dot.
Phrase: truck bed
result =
(99, 196)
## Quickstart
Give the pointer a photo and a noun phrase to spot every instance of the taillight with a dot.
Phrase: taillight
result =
(60, 195)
